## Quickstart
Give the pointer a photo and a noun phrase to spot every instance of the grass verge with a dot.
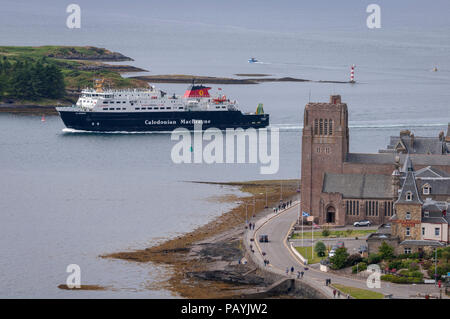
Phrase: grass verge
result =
(359, 293)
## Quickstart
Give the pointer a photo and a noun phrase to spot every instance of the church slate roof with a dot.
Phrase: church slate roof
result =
(358, 185)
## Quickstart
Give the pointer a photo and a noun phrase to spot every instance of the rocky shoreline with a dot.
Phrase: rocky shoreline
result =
(211, 261)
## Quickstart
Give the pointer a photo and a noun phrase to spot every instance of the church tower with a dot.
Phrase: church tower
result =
(325, 144)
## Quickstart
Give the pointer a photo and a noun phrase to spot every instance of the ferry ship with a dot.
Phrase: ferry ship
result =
(138, 110)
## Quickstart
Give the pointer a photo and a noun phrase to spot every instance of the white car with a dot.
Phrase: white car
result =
(362, 223)
(332, 253)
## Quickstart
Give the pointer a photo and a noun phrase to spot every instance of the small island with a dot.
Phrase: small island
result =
(36, 79)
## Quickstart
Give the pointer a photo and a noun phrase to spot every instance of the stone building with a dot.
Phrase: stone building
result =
(339, 187)
(417, 224)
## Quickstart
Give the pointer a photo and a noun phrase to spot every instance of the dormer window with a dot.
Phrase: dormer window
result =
(426, 190)
(408, 216)
(409, 196)
(426, 214)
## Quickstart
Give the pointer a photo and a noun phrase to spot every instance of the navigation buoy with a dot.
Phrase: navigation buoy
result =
(43, 118)
(352, 74)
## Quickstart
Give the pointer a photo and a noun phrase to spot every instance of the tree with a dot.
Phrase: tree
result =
(339, 260)
(325, 232)
(320, 249)
(386, 251)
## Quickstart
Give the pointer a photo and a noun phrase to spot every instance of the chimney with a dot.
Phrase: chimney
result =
(335, 99)
(405, 133)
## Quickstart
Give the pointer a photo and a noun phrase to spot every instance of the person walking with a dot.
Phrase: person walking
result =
(287, 271)
(334, 293)
(302, 273)
(339, 294)
(292, 270)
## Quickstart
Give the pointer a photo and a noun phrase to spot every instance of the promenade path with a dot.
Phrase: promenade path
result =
(278, 226)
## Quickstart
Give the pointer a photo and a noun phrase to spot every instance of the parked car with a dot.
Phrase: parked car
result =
(362, 223)
(263, 238)
(362, 249)
(340, 244)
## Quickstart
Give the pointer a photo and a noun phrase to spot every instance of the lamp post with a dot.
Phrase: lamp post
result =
(435, 266)
(266, 206)
(281, 192)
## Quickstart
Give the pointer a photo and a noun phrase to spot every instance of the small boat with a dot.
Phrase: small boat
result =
(252, 60)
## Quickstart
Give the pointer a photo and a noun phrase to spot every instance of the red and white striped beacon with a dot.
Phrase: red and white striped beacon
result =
(352, 74)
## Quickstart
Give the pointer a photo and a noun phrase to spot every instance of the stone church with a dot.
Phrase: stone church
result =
(339, 187)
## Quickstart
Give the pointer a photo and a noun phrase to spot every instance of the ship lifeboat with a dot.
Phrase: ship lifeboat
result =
(220, 99)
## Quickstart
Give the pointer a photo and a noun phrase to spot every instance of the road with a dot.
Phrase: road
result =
(280, 256)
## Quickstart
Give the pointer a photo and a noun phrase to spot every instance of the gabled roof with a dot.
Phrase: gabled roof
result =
(389, 158)
(433, 243)
(438, 186)
(431, 172)
(409, 186)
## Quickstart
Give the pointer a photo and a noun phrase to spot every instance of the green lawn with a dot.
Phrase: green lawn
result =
(359, 293)
(306, 252)
(336, 233)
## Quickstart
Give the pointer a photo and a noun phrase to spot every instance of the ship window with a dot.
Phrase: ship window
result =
(150, 108)
(169, 108)
(118, 108)
(105, 109)
(111, 109)
(144, 108)
(124, 102)
(223, 107)
(180, 108)
(137, 108)
(105, 102)
(162, 108)
(156, 108)
(217, 107)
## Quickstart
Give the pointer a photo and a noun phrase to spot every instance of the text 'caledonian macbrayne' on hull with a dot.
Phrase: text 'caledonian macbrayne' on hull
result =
(153, 110)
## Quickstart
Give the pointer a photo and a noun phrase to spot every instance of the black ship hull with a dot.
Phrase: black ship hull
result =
(159, 121)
